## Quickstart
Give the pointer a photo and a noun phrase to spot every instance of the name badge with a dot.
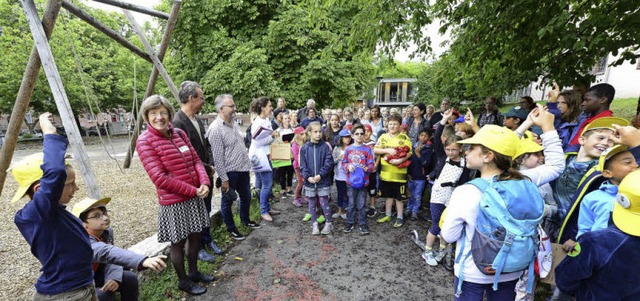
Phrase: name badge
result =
(184, 149)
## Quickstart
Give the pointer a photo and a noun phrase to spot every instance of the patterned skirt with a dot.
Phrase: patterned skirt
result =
(177, 221)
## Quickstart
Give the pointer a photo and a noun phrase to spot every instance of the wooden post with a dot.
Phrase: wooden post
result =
(156, 62)
(24, 94)
(104, 29)
(164, 44)
(136, 8)
(61, 99)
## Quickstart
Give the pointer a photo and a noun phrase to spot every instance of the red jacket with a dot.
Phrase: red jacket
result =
(172, 164)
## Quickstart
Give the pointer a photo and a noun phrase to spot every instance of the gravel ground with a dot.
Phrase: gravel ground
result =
(133, 205)
(283, 261)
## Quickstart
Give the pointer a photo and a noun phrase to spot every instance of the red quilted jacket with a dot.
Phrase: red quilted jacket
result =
(172, 164)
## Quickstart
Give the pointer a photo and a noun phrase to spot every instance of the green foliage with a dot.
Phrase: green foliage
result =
(107, 67)
(253, 48)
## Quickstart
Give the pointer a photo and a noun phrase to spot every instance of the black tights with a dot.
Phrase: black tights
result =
(177, 255)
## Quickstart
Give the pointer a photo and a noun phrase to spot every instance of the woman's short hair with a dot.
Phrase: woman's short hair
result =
(153, 102)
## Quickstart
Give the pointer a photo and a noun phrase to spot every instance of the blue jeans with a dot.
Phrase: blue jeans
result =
(416, 187)
(266, 181)
(238, 181)
(341, 187)
(357, 200)
(475, 291)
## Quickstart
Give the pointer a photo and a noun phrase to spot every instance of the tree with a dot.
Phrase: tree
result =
(253, 48)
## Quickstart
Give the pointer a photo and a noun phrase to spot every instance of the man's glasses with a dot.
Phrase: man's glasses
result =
(358, 134)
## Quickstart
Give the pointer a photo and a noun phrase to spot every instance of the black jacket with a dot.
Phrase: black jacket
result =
(182, 121)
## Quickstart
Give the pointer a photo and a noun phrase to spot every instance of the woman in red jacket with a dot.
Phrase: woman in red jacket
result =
(181, 183)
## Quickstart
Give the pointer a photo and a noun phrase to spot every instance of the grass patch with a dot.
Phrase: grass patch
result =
(164, 285)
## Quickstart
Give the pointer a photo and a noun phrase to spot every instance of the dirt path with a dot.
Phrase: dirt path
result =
(283, 261)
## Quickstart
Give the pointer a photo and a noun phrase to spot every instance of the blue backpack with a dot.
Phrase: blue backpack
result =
(506, 239)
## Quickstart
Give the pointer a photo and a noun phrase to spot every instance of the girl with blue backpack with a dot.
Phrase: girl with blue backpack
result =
(493, 219)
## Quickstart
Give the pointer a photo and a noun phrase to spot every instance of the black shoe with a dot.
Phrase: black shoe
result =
(253, 225)
(235, 234)
(364, 229)
(414, 216)
(371, 212)
(191, 288)
(348, 228)
(204, 278)
(205, 256)
(214, 248)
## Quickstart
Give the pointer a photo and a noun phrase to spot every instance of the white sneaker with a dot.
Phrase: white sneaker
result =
(335, 215)
(440, 255)
(316, 230)
(429, 258)
(343, 216)
(327, 229)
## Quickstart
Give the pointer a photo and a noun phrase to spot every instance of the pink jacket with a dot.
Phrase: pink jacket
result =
(295, 150)
(172, 164)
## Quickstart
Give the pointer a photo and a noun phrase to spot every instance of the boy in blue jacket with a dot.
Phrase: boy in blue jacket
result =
(603, 264)
(421, 165)
(316, 164)
(595, 209)
(112, 277)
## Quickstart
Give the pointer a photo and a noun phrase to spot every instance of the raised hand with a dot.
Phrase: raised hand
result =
(46, 125)
(627, 135)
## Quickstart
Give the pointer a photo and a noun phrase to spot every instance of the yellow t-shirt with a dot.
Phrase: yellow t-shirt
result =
(388, 171)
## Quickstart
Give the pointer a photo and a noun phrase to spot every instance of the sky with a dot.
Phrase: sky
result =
(402, 56)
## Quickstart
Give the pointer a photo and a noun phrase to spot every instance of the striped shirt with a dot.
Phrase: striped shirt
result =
(227, 147)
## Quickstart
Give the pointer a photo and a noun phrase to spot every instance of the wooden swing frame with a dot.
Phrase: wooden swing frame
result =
(41, 56)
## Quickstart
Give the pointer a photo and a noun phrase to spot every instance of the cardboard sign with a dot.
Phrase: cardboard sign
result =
(280, 151)
(558, 256)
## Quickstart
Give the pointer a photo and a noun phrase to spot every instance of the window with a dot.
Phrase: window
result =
(601, 66)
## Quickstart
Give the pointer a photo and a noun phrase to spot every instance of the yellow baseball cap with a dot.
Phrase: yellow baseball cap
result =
(604, 123)
(499, 139)
(526, 146)
(626, 211)
(26, 172)
(89, 203)
(608, 153)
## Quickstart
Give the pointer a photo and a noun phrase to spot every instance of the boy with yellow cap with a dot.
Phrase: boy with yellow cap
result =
(603, 264)
(595, 139)
(112, 277)
(56, 237)
(595, 208)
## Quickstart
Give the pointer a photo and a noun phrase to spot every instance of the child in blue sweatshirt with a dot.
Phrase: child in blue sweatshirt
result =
(595, 209)
(316, 164)
(421, 165)
(358, 163)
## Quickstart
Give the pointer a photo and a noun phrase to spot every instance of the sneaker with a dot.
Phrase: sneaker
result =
(214, 248)
(449, 261)
(253, 225)
(348, 228)
(307, 217)
(364, 229)
(371, 212)
(440, 255)
(384, 219)
(320, 219)
(429, 258)
(343, 216)
(399, 222)
(205, 256)
(266, 217)
(326, 230)
(335, 215)
(315, 230)
(235, 234)
(297, 203)
(414, 216)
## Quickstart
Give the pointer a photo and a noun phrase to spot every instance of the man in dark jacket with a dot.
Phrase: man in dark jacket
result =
(191, 101)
